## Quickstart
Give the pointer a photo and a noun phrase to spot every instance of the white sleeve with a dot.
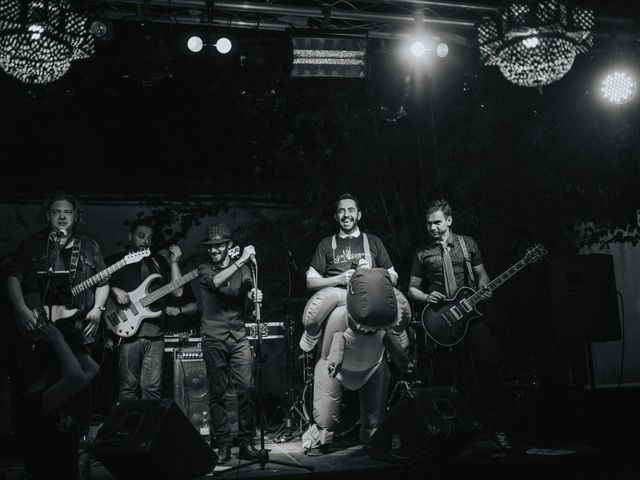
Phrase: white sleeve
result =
(392, 272)
(313, 273)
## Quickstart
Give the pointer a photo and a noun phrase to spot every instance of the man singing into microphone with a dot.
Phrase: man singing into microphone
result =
(227, 288)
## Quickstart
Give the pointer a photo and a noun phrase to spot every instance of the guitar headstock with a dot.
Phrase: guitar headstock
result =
(234, 252)
(535, 253)
(136, 256)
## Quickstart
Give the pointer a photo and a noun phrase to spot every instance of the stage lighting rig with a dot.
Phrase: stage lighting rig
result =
(328, 56)
(221, 44)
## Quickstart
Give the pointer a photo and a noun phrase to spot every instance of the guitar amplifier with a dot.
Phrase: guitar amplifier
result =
(190, 387)
(269, 330)
(172, 342)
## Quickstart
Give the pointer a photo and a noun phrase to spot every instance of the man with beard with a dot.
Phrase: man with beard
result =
(334, 263)
(445, 263)
(227, 287)
(140, 357)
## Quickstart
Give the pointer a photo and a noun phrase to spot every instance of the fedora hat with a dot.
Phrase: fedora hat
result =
(217, 234)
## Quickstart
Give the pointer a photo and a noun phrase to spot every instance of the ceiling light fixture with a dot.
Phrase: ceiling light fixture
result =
(535, 42)
(39, 39)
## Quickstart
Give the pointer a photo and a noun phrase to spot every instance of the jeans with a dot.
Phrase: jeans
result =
(140, 368)
(230, 361)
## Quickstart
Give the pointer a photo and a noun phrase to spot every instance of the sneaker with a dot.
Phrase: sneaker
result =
(307, 342)
(224, 453)
(248, 452)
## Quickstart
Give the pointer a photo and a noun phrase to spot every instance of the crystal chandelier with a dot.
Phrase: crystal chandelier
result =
(39, 39)
(535, 42)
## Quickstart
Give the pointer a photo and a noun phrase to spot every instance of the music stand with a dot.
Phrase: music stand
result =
(263, 454)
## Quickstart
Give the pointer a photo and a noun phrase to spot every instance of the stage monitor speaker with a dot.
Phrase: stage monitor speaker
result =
(584, 302)
(151, 439)
(425, 422)
(191, 387)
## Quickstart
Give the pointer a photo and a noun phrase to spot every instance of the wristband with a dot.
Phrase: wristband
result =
(236, 264)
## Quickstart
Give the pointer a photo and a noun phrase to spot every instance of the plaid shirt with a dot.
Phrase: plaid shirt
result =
(427, 263)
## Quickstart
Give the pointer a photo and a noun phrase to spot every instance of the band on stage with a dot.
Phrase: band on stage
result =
(357, 332)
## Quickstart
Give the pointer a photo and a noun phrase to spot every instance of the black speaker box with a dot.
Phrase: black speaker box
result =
(151, 439)
(425, 422)
(191, 387)
(584, 301)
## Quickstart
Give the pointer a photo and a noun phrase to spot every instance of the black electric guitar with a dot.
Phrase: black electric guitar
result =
(446, 322)
(53, 313)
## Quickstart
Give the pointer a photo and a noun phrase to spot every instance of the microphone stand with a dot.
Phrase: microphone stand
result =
(46, 302)
(263, 454)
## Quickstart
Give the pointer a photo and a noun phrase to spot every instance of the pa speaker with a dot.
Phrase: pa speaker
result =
(151, 439)
(584, 301)
(191, 387)
(425, 422)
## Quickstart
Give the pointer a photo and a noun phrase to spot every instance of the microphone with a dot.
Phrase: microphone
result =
(253, 258)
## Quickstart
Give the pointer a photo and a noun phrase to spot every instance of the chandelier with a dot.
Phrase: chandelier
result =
(39, 39)
(535, 42)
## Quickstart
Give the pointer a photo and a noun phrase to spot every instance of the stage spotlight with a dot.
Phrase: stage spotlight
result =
(418, 48)
(442, 50)
(618, 87)
(223, 45)
(195, 44)
(100, 28)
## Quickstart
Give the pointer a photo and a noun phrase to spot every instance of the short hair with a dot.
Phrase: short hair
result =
(141, 222)
(440, 204)
(78, 211)
(346, 196)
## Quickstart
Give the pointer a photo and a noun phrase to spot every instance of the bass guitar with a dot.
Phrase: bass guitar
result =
(446, 322)
(53, 313)
(125, 320)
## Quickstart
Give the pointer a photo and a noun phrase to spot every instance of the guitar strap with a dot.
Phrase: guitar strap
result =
(467, 262)
(75, 257)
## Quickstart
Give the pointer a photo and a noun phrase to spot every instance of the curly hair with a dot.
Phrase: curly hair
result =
(78, 211)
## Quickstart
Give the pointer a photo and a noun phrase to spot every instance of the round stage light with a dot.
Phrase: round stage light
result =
(442, 50)
(195, 44)
(618, 88)
(418, 49)
(223, 45)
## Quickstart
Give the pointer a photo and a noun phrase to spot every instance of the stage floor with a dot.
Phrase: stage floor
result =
(351, 461)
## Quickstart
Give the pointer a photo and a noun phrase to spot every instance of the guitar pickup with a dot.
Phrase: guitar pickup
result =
(456, 313)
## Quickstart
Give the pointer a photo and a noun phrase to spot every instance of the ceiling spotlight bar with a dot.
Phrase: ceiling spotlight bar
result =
(472, 7)
(275, 26)
(302, 11)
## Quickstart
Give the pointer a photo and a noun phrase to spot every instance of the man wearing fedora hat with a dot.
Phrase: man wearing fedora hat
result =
(227, 286)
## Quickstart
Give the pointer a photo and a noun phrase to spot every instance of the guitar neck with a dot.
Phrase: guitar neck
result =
(499, 280)
(97, 278)
(168, 288)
